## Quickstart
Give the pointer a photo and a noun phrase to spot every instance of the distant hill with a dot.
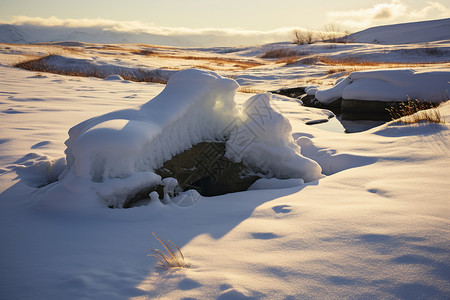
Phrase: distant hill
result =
(28, 34)
(13, 35)
(406, 33)
(417, 32)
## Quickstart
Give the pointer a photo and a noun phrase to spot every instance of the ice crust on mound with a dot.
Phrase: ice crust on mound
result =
(264, 142)
(394, 85)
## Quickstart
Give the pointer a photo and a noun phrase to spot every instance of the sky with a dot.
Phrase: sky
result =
(178, 16)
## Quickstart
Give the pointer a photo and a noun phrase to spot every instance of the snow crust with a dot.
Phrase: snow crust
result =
(394, 85)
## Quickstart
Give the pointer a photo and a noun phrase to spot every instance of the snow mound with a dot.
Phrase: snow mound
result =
(392, 85)
(407, 33)
(113, 157)
(121, 149)
(264, 142)
(93, 68)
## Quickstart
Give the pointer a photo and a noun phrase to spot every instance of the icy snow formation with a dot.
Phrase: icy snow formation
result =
(122, 148)
(264, 143)
(115, 154)
(395, 85)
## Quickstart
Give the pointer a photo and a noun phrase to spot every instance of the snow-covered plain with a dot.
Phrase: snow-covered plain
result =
(375, 226)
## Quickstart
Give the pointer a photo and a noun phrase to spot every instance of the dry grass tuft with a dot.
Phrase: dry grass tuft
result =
(279, 53)
(340, 70)
(414, 111)
(146, 52)
(286, 56)
(220, 61)
(250, 90)
(283, 54)
(171, 258)
(347, 61)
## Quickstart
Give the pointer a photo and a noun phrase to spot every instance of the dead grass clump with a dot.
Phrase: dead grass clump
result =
(347, 61)
(288, 60)
(142, 75)
(249, 89)
(340, 70)
(280, 53)
(414, 111)
(172, 257)
(286, 56)
(238, 63)
(73, 50)
(145, 52)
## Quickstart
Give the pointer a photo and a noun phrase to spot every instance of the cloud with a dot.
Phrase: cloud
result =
(395, 11)
(136, 27)
(182, 36)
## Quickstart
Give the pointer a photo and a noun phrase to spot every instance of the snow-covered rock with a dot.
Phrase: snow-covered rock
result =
(391, 85)
(116, 154)
(127, 145)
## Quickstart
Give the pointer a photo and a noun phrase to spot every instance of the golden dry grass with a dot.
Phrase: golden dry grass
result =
(238, 63)
(349, 61)
(172, 257)
(279, 53)
(340, 70)
(250, 90)
(414, 111)
(286, 56)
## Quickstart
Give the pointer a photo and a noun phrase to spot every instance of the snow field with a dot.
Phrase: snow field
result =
(375, 227)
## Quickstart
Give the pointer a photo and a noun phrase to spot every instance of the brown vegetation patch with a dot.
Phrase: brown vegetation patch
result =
(41, 65)
(250, 90)
(239, 63)
(350, 61)
(414, 111)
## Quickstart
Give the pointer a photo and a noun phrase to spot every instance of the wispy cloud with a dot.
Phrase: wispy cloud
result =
(136, 26)
(395, 11)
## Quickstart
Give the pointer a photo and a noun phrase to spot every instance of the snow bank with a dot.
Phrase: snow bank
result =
(394, 85)
(93, 68)
(264, 142)
(406, 33)
(121, 148)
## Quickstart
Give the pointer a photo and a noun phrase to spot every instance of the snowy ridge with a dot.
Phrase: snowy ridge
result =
(406, 33)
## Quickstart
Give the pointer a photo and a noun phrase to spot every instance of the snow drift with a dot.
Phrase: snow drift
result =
(264, 142)
(406, 33)
(392, 85)
(115, 154)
